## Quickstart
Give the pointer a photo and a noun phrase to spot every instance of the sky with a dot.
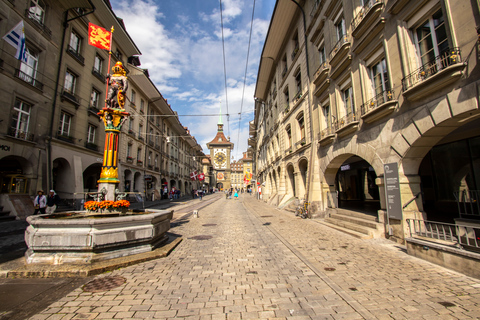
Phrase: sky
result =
(181, 45)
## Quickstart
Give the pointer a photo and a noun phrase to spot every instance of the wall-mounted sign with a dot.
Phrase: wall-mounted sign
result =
(4, 147)
(345, 167)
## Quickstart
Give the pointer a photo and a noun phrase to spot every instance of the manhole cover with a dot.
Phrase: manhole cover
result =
(209, 225)
(201, 238)
(447, 304)
(104, 284)
(329, 269)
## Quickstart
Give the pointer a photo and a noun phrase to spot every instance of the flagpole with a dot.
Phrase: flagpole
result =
(109, 59)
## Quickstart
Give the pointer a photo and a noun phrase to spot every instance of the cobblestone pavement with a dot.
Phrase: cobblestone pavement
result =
(242, 259)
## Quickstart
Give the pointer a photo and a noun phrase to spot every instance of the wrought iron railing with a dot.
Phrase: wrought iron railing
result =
(468, 202)
(463, 235)
(378, 100)
(363, 12)
(338, 45)
(98, 74)
(20, 134)
(28, 79)
(38, 22)
(327, 132)
(440, 62)
(74, 53)
(342, 122)
(70, 96)
(91, 146)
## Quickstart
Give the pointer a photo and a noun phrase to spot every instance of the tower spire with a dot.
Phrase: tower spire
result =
(220, 122)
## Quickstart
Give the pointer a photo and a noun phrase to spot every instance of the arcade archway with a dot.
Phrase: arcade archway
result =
(90, 177)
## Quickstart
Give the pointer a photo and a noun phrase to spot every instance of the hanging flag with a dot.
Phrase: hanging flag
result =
(193, 175)
(201, 176)
(16, 38)
(99, 37)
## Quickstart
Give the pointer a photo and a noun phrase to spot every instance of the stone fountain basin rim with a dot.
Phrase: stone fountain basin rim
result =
(153, 214)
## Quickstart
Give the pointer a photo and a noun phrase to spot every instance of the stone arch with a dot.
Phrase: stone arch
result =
(91, 175)
(63, 184)
(429, 126)
(16, 168)
(290, 180)
(137, 182)
(127, 180)
(302, 181)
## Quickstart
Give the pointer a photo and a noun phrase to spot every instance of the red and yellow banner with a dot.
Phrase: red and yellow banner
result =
(99, 37)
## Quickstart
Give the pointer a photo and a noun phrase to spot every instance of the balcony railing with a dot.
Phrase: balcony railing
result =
(326, 132)
(65, 138)
(468, 202)
(442, 61)
(28, 79)
(38, 23)
(91, 146)
(342, 122)
(463, 235)
(98, 74)
(376, 101)
(139, 162)
(363, 12)
(140, 137)
(129, 159)
(20, 134)
(75, 54)
(70, 97)
(338, 45)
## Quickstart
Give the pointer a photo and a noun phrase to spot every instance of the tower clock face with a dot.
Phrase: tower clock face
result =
(220, 158)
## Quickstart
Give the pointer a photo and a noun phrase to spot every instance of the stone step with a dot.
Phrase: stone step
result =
(349, 225)
(356, 220)
(351, 232)
(356, 214)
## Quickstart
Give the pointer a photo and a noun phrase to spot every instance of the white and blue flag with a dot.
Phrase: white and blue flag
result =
(16, 38)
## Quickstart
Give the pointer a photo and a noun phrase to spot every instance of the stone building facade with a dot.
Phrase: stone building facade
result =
(346, 87)
(51, 136)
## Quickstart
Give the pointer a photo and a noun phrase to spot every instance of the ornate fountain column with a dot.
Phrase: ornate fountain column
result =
(113, 116)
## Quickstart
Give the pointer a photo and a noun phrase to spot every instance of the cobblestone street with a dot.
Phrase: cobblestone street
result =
(242, 259)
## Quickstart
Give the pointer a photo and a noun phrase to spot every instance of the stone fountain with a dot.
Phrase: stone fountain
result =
(106, 230)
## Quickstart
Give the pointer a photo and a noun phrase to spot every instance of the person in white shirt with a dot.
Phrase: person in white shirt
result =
(40, 203)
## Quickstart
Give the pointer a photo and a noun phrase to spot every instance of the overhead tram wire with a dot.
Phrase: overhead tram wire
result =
(224, 69)
(245, 77)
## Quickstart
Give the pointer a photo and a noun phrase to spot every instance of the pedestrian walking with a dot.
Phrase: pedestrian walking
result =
(236, 195)
(39, 203)
(52, 201)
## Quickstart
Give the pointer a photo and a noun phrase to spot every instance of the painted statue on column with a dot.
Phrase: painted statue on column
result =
(118, 85)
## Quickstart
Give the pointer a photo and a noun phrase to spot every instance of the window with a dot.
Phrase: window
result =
(37, 11)
(347, 96)
(20, 118)
(326, 115)
(289, 136)
(95, 97)
(129, 150)
(340, 28)
(29, 69)
(91, 133)
(285, 66)
(301, 126)
(70, 82)
(431, 38)
(130, 124)
(149, 158)
(286, 96)
(98, 64)
(132, 97)
(298, 84)
(139, 154)
(322, 57)
(65, 123)
(75, 42)
(142, 105)
(379, 78)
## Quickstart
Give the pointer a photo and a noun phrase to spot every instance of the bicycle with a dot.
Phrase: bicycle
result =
(302, 211)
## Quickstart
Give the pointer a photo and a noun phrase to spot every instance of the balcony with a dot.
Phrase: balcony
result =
(70, 97)
(286, 108)
(140, 137)
(131, 132)
(433, 76)
(378, 107)
(150, 143)
(65, 138)
(157, 146)
(346, 125)
(76, 55)
(28, 79)
(139, 163)
(129, 159)
(20, 134)
(301, 143)
(367, 16)
(150, 166)
(98, 75)
(320, 79)
(339, 57)
(326, 136)
(91, 146)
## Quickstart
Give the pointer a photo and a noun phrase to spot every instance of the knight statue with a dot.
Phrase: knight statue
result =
(118, 85)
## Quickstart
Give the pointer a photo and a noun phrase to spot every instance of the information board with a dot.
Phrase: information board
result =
(392, 191)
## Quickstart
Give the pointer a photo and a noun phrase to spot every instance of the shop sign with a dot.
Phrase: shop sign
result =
(5, 147)
(345, 167)
(392, 191)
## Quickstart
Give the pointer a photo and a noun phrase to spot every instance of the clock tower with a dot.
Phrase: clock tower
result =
(220, 152)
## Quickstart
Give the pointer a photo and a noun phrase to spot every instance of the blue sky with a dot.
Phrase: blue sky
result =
(181, 45)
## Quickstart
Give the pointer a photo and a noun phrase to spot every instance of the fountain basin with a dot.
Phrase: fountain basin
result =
(76, 238)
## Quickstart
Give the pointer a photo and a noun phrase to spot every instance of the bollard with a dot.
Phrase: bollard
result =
(195, 213)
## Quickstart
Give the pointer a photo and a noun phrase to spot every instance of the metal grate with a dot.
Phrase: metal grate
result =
(104, 284)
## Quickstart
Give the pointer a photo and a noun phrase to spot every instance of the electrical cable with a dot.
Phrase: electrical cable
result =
(224, 69)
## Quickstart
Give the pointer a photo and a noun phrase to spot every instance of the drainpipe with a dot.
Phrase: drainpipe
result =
(313, 146)
(55, 94)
